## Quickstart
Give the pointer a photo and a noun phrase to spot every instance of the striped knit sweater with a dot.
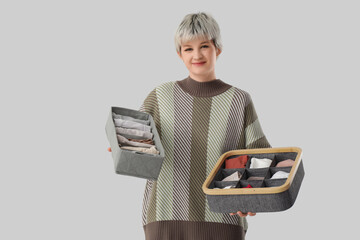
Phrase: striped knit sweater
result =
(197, 122)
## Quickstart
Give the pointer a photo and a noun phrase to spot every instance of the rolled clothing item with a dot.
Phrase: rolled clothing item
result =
(256, 178)
(248, 186)
(118, 116)
(132, 125)
(151, 150)
(148, 141)
(233, 177)
(285, 163)
(133, 132)
(125, 142)
(237, 162)
(260, 162)
(228, 187)
(280, 174)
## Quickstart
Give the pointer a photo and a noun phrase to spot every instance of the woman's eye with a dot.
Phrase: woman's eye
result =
(205, 46)
(188, 49)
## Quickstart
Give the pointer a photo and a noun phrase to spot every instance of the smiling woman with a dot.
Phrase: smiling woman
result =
(198, 119)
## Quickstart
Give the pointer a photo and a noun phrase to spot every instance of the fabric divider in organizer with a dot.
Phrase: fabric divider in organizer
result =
(130, 162)
(252, 183)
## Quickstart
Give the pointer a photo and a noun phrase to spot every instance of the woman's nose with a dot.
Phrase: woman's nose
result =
(197, 54)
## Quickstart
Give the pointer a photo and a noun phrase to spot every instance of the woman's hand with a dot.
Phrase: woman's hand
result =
(109, 149)
(241, 214)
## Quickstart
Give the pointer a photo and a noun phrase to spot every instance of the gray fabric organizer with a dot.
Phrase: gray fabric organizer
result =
(268, 195)
(134, 163)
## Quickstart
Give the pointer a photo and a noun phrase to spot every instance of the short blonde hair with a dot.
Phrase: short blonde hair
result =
(198, 25)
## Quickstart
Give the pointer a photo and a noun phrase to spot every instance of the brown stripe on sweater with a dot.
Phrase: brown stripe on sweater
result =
(234, 129)
(199, 133)
(182, 153)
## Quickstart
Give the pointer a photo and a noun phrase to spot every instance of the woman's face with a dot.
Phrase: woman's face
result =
(199, 56)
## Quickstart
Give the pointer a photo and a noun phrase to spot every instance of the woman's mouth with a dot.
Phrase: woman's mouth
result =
(198, 63)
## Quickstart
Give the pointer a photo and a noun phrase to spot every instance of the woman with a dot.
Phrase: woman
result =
(198, 119)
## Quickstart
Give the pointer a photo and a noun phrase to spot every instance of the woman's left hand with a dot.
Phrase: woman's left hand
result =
(241, 214)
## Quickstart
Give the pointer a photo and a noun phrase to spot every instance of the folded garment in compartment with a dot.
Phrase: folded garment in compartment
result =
(233, 177)
(133, 132)
(256, 178)
(151, 150)
(285, 163)
(132, 125)
(125, 142)
(260, 162)
(148, 141)
(118, 116)
(237, 162)
(280, 174)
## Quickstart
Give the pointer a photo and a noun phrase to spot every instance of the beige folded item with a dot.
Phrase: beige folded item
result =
(133, 132)
(125, 142)
(151, 150)
(146, 122)
(255, 178)
(233, 177)
(132, 125)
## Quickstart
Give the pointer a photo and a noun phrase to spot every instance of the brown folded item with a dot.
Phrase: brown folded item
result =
(148, 141)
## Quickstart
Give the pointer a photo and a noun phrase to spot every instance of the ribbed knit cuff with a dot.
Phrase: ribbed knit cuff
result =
(190, 230)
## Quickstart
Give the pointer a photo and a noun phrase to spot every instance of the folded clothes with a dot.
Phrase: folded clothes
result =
(133, 132)
(285, 163)
(132, 125)
(260, 162)
(148, 141)
(146, 122)
(237, 162)
(233, 177)
(248, 186)
(280, 174)
(256, 178)
(151, 150)
(125, 142)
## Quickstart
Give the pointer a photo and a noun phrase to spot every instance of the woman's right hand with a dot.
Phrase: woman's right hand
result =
(109, 149)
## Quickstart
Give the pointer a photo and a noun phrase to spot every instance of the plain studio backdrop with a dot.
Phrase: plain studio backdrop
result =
(64, 63)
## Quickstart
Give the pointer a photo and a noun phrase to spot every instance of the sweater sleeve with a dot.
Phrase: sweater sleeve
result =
(254, 135)
(151, 106)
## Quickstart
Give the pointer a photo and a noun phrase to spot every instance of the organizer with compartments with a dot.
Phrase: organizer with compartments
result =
(131, 162)
(260, 189)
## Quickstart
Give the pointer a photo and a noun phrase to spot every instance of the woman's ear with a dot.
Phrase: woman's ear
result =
(179, 54)
(218, 51)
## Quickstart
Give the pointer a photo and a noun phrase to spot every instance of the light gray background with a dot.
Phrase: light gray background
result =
(64, 63)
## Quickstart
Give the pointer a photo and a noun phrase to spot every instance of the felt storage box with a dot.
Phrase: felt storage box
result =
(134, 163)
(264, 195)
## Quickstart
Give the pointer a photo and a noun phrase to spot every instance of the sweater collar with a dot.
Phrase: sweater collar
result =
(203, 89)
